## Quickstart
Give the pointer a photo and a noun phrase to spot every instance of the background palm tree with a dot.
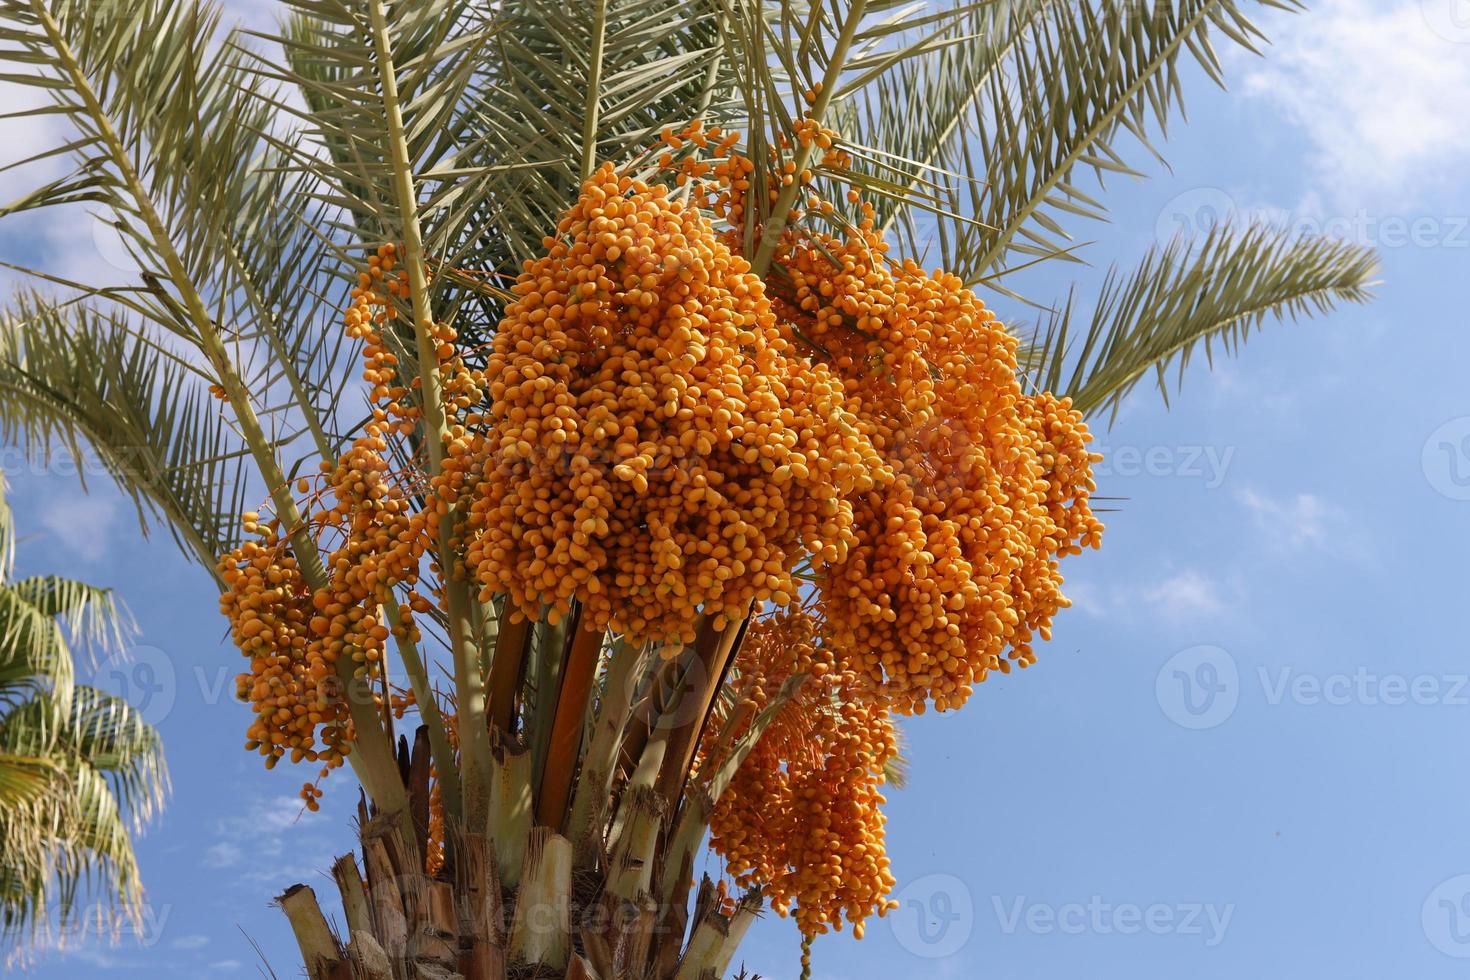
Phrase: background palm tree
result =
(80, 770)
(247, 180)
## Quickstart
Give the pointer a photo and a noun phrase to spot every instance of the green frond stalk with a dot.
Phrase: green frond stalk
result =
(594, 88)
(836, 63)
(474, 735)
(373, 760)
(446, 765)
(1187, 293)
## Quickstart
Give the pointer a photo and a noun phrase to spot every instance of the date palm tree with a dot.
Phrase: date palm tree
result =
(251, 177)
(80, 770)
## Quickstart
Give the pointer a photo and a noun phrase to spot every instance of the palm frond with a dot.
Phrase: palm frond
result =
(170, 137)
(905, 128)
(24, 778)
(143, 82)
(109, 735)
(1052, 93)
(79, 769)
(34, 660)
(1188, 293)
(7, 531)
(74, 376)
(283, 265)
(496, 105)
(69, 842)
(821, 61)
(634, 67)
(95, 617)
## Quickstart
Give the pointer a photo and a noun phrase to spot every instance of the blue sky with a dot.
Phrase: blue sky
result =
(1242, 754)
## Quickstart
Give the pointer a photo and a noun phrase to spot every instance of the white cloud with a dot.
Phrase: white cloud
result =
(1186, 594)
(1295, 522)
(83, 522)
(222, 855)
(286, 843)
(1378, 90)
(223, 965)
(278, 813)
(191, 942)
(1181, 595)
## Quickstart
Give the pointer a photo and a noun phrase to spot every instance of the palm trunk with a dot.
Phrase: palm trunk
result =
(613, 906)
(405, 925)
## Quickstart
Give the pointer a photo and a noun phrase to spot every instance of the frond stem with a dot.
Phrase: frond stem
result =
(373, 762)
(445, 768)
(474, 734)
(594, 90)
(776, 223)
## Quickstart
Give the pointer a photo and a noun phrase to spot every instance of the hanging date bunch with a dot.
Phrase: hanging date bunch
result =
(956, 570)
(985, 486)
(305, 643)
(983, 489)
(658, 447)
(802, 816)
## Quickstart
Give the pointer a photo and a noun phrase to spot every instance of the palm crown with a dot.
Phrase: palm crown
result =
(80, 769)
(407, 161)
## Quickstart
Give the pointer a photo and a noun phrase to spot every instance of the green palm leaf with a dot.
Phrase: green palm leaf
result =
(24, 778)
(79, 768)
(171, 132)
(75, 377)
(34, 657)
(93, 615)
(1188, 293)
(1041, 91)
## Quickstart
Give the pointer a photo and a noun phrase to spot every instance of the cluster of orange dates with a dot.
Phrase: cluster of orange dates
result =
(660, 433)
(371, 540)
(657, 447)
(801, 817)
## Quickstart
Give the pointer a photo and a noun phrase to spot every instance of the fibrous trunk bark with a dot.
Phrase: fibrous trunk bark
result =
(566, 917)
